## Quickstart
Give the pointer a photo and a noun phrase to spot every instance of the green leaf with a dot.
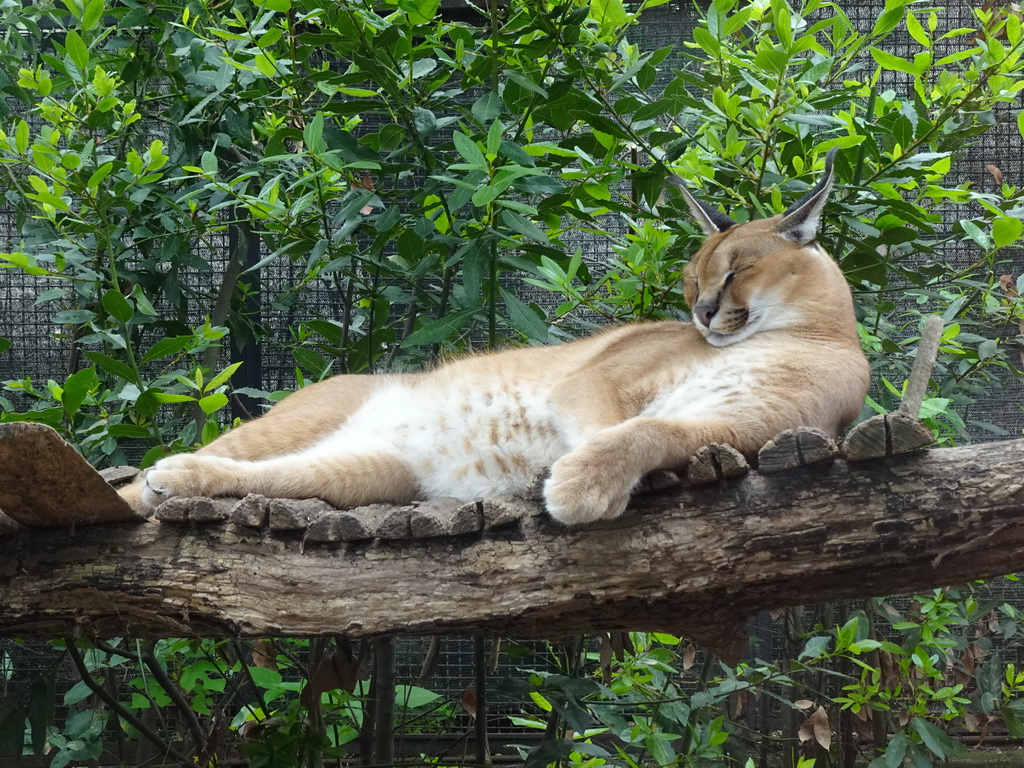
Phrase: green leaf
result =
(1020, 123)
(214, 402)
(77, 50)
(98, 176)
(896, 750)
(118, 306)
(488, 107)
(21, 137)
(817, 646)
(222, 377)
(977, 234)
(5, 344)
(40, 711)
(917, 31)
(265, 678)
(74, 316)
(112, 366)
(313, 134)
(494, 137)
(413, 696)
(469, 150)
(77, 693)
(424, 122)
(608, 13)
(895, 63)
(524, 227)
(1012, 722)
(166, 347)
(170, 397)
(77, 388)
(523, 318)
(439, 329)
(935, 738)
(708, 43)
(92, 14)
(890, 18)
(315, 363)
(1006, 230)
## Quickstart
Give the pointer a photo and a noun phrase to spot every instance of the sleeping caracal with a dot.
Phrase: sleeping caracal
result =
(773, 345)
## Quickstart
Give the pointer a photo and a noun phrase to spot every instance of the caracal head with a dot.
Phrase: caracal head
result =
(754, 276)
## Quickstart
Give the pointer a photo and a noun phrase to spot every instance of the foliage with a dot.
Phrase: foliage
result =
(422, 168)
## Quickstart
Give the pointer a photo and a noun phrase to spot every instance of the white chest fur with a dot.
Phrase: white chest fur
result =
(717, 388)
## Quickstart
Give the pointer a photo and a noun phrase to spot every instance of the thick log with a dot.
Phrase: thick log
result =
(693, 561)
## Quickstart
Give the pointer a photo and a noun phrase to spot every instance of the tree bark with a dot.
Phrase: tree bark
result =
(695, 561)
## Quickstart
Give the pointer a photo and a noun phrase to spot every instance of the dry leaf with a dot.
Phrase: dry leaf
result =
(264, 654)
(689, 656)
(890, 670)
(606, 659)
(365, 181)
(739, 703)
(891, 613)
(803, 703)
(903, 718)
(335, 671)
(252, 730)
(430, 658)
(1009, 286)
(469, 701)
(996, 173)
(971, 721)
(817, 727)
(494, 657)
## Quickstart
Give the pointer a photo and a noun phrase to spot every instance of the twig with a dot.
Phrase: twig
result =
(123, 712)
(174, 692)
(927, 351)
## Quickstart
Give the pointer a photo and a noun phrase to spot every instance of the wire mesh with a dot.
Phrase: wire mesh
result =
(42, 352)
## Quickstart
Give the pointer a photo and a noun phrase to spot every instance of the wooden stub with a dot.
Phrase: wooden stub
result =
(887, 434)
(118, 476)
(701, 469)
(343, 525)
(444, 517)
(210, 510)
(250, 512)
(295, 514)
(657, 481)
(715, 462)
(47, 484)
(174, 510)
(795, 448)
(180, 510)
(502, 510)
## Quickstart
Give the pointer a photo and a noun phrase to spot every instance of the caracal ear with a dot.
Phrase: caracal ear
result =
(711, 220)
(800, 221)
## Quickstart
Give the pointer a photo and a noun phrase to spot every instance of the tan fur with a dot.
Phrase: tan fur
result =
(600, 412)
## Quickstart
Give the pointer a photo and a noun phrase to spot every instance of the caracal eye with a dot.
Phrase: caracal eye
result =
(728, 280)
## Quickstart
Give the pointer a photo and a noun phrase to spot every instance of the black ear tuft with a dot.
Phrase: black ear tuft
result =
(800, 221)
(711, 220)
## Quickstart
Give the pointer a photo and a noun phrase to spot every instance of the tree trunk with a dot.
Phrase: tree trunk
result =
(694, 561)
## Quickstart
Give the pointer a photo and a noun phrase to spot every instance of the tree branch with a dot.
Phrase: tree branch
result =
(693, 561)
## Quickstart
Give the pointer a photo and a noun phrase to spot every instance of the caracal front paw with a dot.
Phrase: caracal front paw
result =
(187, 475)
(580, 491)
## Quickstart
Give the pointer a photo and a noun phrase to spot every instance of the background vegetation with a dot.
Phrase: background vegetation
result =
(438, 171)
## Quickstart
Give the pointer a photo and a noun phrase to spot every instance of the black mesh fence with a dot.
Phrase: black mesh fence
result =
(41, 352)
